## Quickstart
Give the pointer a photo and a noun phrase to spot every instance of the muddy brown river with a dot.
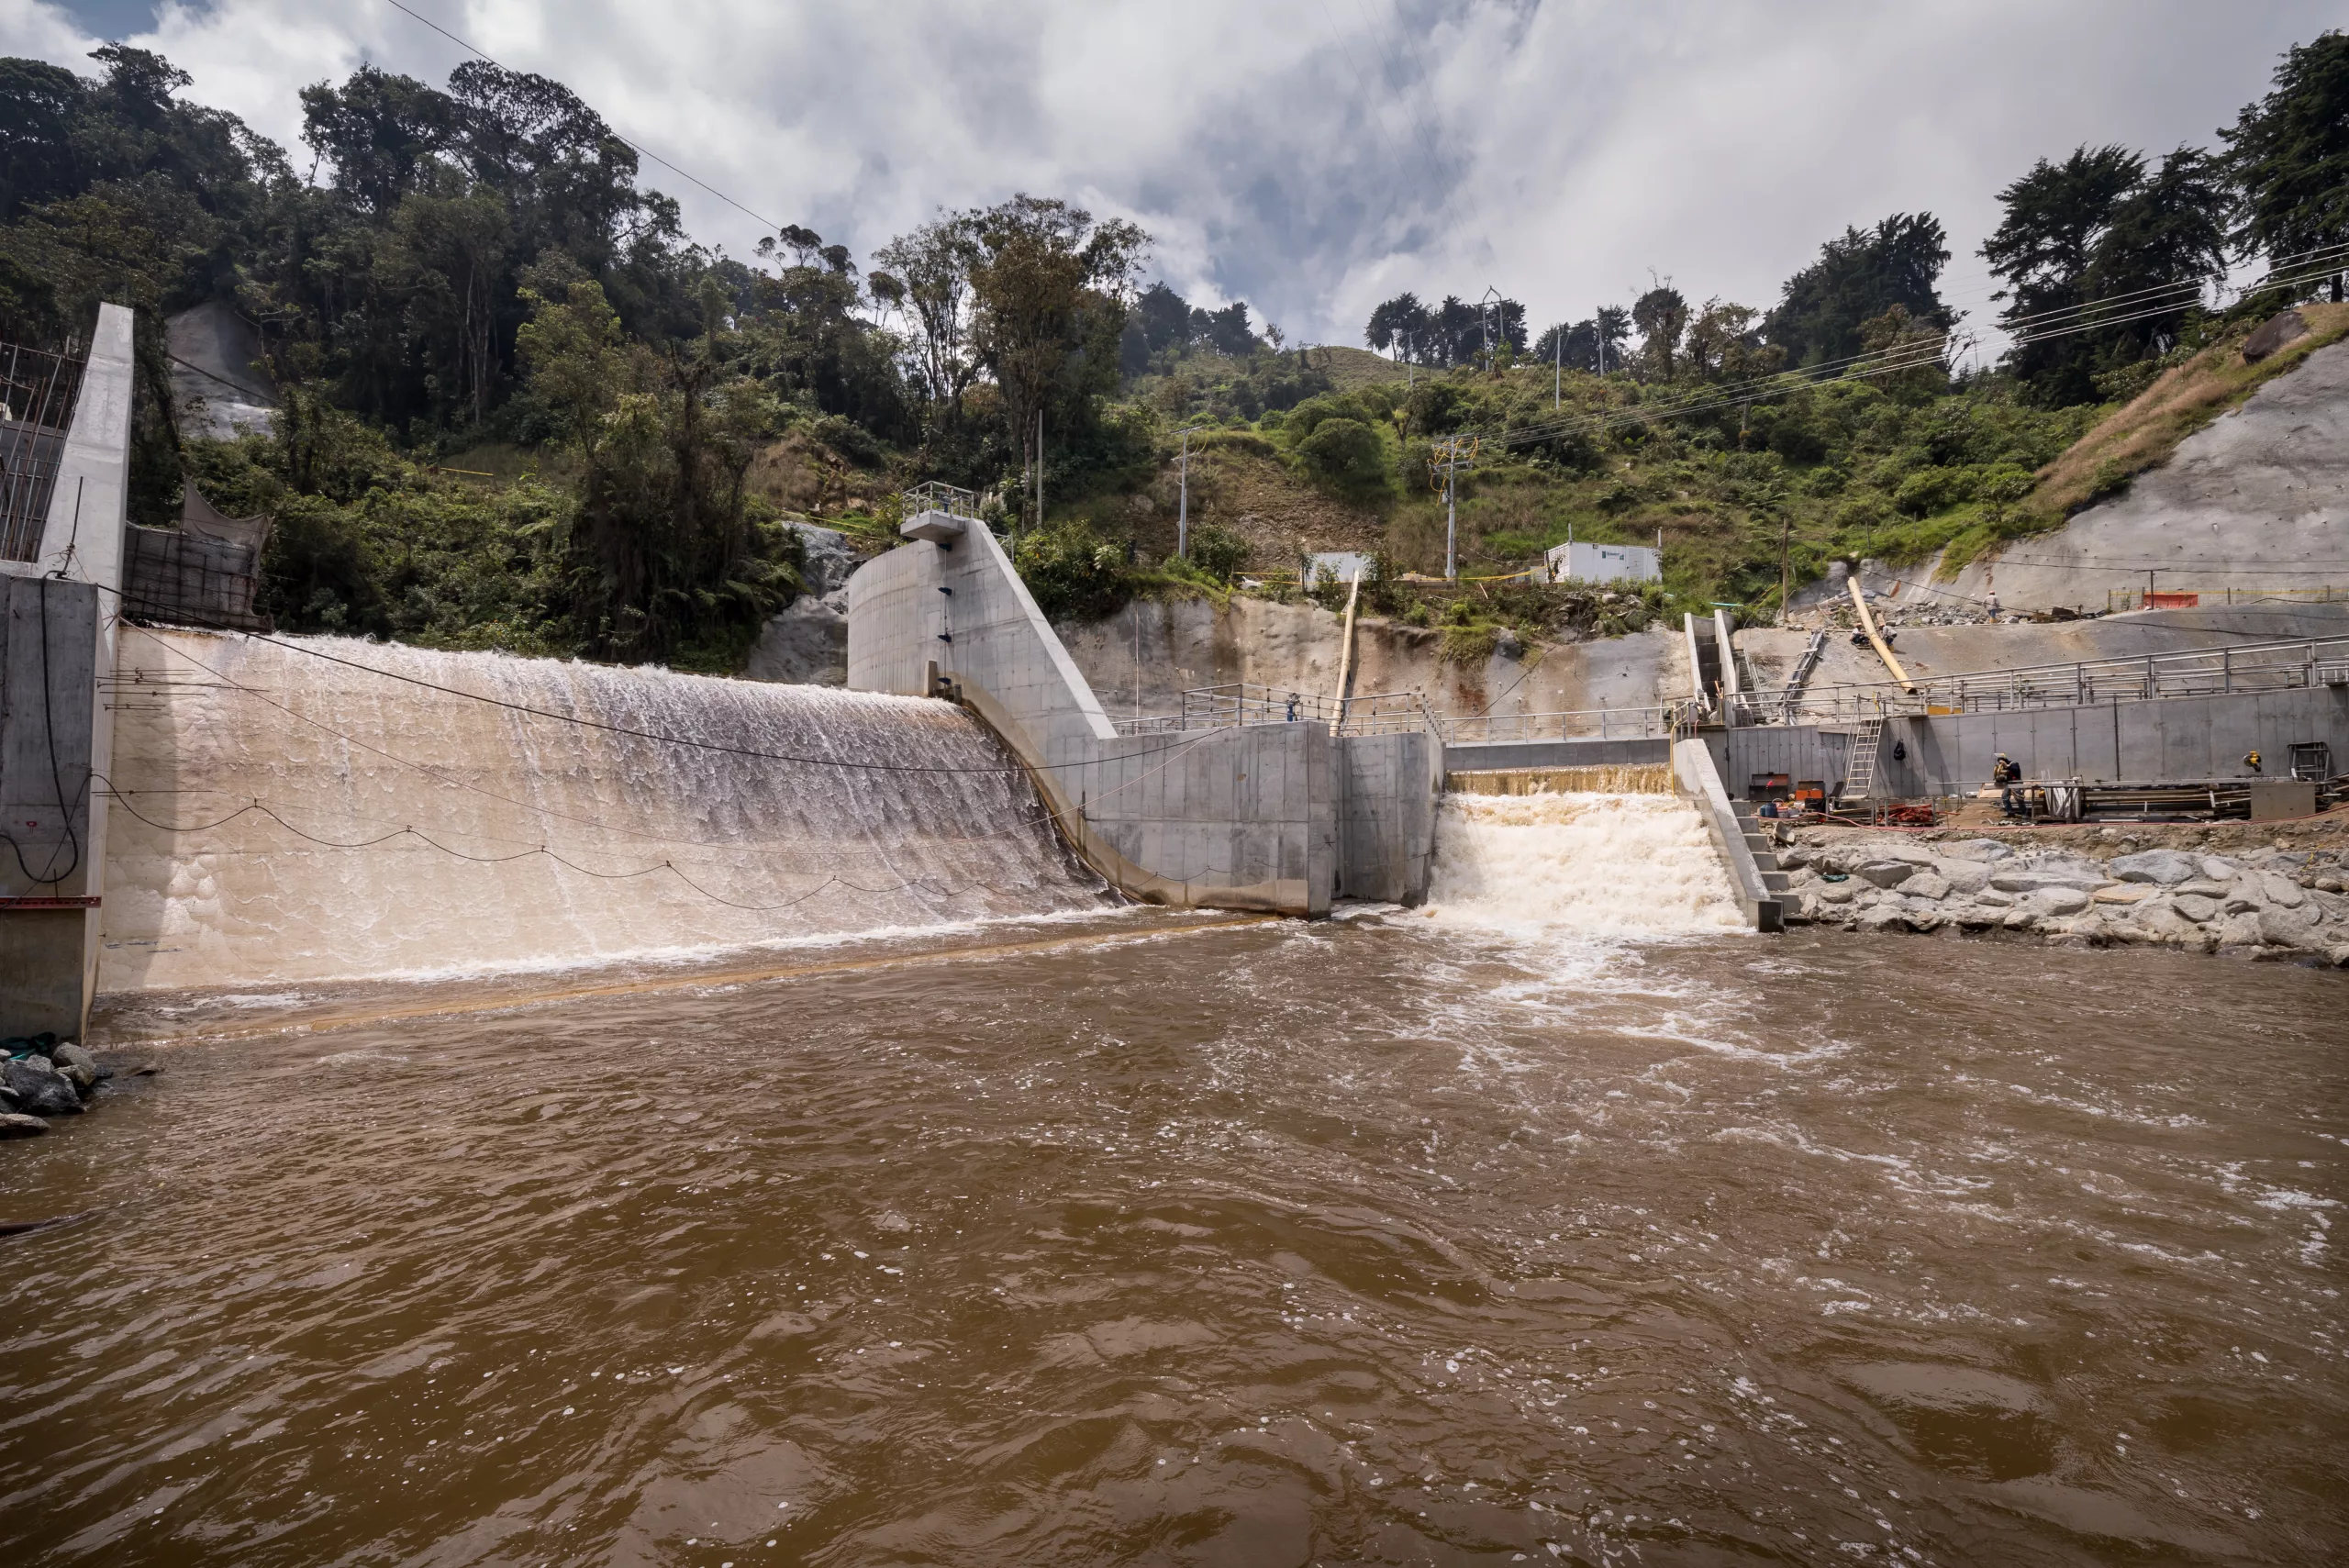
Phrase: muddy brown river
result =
(1383, 1240)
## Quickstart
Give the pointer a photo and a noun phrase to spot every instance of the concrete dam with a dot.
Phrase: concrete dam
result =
(286, 810)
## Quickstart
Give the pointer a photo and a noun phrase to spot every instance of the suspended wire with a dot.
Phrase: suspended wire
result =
(771, 225)
(258, 809)
(1172, 752)
(1758, 387)
(801, 759)
(1026, 821)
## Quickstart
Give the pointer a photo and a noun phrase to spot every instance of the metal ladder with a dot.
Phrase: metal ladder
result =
(1859, 783)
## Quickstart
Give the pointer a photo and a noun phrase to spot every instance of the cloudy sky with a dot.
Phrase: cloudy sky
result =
(1310, 156)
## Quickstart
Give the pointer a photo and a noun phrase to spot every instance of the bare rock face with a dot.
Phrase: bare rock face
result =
(2284, 327)
(807, 645)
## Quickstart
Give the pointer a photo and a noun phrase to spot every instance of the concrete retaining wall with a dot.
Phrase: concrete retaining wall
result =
(2172, 740)
(49, 957)
(1279, 817)
(1694, 770)
(1484, 756)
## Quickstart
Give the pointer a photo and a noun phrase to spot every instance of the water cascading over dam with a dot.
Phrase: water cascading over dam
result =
(281, 815)
(1579, 864)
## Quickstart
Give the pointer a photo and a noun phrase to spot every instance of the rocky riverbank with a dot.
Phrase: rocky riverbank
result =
(2267, 902)
(44, 1078)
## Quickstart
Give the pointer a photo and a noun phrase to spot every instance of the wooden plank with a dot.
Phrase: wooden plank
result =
(1867, 624)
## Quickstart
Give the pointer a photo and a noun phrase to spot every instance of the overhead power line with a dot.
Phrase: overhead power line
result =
(643, 152)
(1757, 388)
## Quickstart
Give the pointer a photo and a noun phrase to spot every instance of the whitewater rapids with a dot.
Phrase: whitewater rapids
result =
(1586, 864)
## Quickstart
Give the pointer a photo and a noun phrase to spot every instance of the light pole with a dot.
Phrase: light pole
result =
(1182, 506)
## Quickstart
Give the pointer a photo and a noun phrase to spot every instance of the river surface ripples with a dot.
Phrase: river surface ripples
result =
(1374, 1240)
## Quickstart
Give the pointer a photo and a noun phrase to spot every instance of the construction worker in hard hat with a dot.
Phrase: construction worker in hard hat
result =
(2251, 760)
(2005, 772)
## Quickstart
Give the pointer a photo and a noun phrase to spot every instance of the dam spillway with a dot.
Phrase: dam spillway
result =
(302, 809)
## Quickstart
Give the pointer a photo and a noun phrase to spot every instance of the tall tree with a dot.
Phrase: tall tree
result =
(2289, 155)
(1660, 315)
(1052, 286)
(934, 262)
(2165, 238)
(1404, 326)
(2054, 215)
(1857, 277)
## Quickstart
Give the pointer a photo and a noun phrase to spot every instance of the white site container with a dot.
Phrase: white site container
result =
(1579, 562)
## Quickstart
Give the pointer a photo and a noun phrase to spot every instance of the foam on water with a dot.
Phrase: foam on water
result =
(673, 851)
(1595, 865)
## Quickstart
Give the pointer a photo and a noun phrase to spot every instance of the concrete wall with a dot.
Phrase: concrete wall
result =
(1388, 786)
(1696, 772)
(49, 957)
(1144, 658)
(1265, 818)
(1485, 755)
(2174, 740)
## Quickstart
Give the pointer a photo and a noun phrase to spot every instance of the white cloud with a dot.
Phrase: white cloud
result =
(1313, 156)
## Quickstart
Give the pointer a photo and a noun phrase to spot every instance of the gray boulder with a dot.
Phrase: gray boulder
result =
(2282, 891)
(2040, 880)
(2218, 868)
(1977, 850)
(2288, 929)
(72, 1055)
(2165, 867)
(1966, 876)
(1886, 873)
(14, 1124)
(2283, 328)
(2239, 931)
(2057, 901)
(2195, 908)
(39, 1088)
(1926, 884)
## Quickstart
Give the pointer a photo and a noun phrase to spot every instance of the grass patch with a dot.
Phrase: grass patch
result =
(2143, 433)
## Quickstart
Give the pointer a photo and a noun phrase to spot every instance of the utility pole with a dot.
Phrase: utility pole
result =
(1451, 455)
(1786, 546)
(1183, 506)
(1558, 370)
(1039, 471)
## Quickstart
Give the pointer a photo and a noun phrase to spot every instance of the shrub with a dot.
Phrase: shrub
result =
(1931, 490)
(1345, 456)
(1218, 553)
(1074, 573)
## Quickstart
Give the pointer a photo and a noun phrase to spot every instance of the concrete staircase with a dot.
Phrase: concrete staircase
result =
(1759, 843)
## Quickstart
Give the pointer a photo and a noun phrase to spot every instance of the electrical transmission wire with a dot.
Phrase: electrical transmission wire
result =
(1757, 388)
(771, 225)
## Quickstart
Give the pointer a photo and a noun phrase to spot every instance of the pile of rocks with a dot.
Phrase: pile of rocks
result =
(2264, 904)
(45, 1077)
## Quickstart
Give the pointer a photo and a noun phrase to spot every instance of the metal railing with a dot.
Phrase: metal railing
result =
(1396, 713)
(1581, 724)
(2202, 671)
(936, 495)
(37, 395)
